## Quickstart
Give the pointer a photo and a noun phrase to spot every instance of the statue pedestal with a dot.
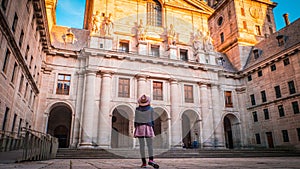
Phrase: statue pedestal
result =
(201, 57)
(173, 52)
(142, 48)
(101, 42)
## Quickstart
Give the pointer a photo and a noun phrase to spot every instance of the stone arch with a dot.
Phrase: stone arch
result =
(122, 127)
(190, 127)
(59, 123)
(232, 132)
(161, 128)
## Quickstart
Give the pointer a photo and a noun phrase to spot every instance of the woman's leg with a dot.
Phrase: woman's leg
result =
(150, 148)
(142, 149)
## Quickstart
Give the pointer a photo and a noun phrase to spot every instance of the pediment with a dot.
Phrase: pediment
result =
(195, 5)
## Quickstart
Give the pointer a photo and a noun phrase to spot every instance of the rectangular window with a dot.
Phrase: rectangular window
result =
(124, 87)
(256, 53)
(277, 91)
(63, 84)
(273, 67)
(257, 137)
(286, 61)
(4, 4)
(259, 73)
(20, 126)
(15, 22)
(14, 73)
(285, 136)
(242, 12)
(154, 50)
(266, 113)
(26, 89)
(26, 53)
(188, 94)
(252, 99)
(21, 83)
(124, 46)
(292, 88)
(21, 38)
(14, 123)
(249, 77)
(183, 54)
(6, 61)
(263, 96)
(295, 107)
(5, 119)
(154, 13)
(228, 99)
(298, 133)
(157, 90)
(281, 111)
(254, 114)
(30, 62)
(268, 18)
(244, 24)
(222, 37)
(258, 32)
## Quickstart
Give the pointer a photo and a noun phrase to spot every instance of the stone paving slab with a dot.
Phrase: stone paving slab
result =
(185, 163)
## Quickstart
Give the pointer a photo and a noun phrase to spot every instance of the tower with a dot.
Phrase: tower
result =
(237, 25)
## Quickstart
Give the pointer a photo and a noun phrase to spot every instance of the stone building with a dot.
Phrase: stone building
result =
(194, 59)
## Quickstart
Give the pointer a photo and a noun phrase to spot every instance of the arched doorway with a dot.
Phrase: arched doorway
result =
(121, 136)
(59, 124)
(190, 129)
(232, 131)
(161, 129)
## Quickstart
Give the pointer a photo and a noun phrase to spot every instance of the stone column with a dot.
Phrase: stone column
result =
(176, 132)
(104, 112)
(217, 118)
(141, 87)
(207, 122)
(78, 109)
(241, 100)
(88, 110)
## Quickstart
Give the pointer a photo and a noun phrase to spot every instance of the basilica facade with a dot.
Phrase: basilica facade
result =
(204, 64)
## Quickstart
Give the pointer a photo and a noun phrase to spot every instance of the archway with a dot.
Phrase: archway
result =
(121, 136)
(161, 129)
(190, 129)
(232, 131)
(59, 124)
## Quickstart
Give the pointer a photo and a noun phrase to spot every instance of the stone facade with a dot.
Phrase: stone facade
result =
(89, 79)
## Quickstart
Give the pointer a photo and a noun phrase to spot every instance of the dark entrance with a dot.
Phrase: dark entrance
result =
(59, 124)
(228, 133)
(270, 139)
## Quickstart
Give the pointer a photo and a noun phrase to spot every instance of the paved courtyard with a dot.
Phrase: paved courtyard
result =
(183, 163)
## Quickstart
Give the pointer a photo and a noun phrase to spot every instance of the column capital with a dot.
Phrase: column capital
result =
(142, 76)
(173, 81)
(240, 89)
(204, 84)
(106, 73)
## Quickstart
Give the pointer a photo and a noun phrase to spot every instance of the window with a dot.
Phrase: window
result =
(242, 12)
(268, 18)
(14, 73)
(183, 54)
(63, 84)
(154, 13)
(26, 89)
(295, 107)
(157, 90)
(14, 123)
(273, 67)
(249, 77)
(26, 53)
(280, 40)
(228, 99)
(4, 4)
(21, 38)
(124, 87)
(286, 61)
(270, 30)
(256, 53)
(252, 99)
(292, 88)
(30, 62)
(222, 37)
(285, 135)
(298, 133)
(254, 114)
(259, 73)
(244, 24)
(15, 22)
(281, 111)
(257, 28)
(220, 21)
(20, 126)
(5, 118)
(257, 137)
(21, 83)
(263, 96)
(6, 61)
(188, 94)
(277, 91)
(154, 50)
(124, 46)
(266, 114)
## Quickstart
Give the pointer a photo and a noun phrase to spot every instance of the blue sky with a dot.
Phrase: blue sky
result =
(71, 12)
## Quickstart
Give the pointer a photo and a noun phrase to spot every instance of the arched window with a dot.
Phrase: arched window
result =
(154, 16)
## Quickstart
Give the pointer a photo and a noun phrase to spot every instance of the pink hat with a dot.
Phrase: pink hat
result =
(144, 100)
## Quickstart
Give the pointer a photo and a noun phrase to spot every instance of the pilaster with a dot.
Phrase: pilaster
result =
(176, 132)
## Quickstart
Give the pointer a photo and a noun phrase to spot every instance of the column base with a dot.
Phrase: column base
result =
(85, 145)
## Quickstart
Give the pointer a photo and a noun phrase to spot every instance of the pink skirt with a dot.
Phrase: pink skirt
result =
(144, 131)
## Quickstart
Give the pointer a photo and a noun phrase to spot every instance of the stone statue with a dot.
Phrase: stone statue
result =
(171, 36)
(208, 41)
(96, 22)
(141, 32)
(108, 25)
(198, 44)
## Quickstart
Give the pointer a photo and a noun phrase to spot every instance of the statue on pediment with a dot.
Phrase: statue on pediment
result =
(96, 23)
(208, 42)
(141, 32)
(171, 36)
(108, 25)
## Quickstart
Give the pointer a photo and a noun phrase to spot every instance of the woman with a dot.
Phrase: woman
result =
(143, 124)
